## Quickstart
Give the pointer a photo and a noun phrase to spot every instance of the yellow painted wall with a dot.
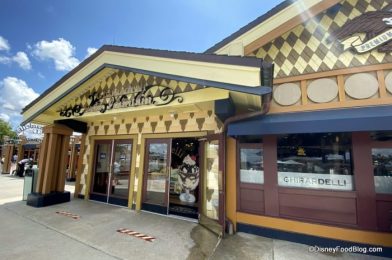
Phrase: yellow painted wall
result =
(231, 180)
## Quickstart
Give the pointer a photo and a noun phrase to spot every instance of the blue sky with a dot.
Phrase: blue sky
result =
(40, 41)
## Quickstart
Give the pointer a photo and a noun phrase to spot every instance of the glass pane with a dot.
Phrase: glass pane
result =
(211, 191)
(157, 174)
(251, 165)
(382, 168)
(121, 170)
(317, 161)
(102, 167)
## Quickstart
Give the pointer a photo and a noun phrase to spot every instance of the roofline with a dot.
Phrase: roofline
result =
(179, 55)
(256, 90)
(250, 26)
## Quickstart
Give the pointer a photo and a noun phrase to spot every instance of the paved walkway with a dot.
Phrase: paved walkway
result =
(41, 233)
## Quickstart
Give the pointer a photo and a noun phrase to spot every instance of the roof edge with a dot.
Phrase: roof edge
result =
(179, 55)
(250, 26)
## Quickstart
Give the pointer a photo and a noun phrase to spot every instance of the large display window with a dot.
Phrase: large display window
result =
(382, 161)
(251, 163)
(315, 161)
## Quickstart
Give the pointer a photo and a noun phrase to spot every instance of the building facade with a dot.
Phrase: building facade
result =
(282, 129)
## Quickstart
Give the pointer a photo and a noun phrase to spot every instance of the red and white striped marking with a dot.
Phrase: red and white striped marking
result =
(65, 213)
(136, 234)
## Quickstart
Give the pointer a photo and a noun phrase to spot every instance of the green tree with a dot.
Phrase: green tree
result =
(6, 129)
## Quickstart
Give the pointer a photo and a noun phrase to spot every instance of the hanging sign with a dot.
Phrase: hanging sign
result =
(31, 133)
(130, 97)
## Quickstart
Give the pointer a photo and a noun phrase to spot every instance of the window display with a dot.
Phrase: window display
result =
(251, 165)
(318, 161)
(382, 168)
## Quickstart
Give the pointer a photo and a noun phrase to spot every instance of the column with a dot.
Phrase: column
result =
(52, 167)
(79, 166)
(71, 163)
(271, 194)
(8, 149)
(364, 181)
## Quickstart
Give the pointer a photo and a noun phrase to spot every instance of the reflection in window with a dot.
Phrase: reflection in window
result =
(251, 165)
(319, 161)
(382, 168)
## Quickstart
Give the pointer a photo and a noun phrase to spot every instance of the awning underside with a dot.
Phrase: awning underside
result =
(342, 120)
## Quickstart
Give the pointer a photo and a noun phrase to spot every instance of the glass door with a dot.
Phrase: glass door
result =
(101, 171)
(119, 178)
(212, 206)
(156, 176)
(112, 164)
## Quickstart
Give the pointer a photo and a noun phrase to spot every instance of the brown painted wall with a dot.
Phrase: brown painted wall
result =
(364, 181)
(251, 199)
(384, 212)
(359, 209)
(319, 208)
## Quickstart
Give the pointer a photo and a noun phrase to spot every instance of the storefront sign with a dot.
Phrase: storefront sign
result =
(375, 24)
(361, 46)
(31, 133)
(315, 181)
(130, 97)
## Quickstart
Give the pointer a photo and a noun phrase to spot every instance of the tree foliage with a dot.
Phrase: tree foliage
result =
(6, 129)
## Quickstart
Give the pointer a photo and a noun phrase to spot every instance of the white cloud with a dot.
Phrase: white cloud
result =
(5, 117)
(15, 95)
(90, 51)
(60, 51)
(5, 60)
(22, 60)
(4, 45)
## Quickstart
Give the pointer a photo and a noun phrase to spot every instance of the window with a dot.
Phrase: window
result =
(318, 161)
(251, 163)
(382, 161)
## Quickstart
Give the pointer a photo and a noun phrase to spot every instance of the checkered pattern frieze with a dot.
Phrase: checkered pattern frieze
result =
(307, 48)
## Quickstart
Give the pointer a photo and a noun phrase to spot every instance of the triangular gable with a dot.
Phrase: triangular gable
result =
(122, 68)
(270, 25)
(311, 46)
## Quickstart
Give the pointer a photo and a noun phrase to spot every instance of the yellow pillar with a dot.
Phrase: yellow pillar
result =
(20, 151)
(72, 160)
(231, 181)
(52, 167)
(79, 167)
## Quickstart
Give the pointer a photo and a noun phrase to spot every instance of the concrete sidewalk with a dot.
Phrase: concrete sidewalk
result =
(41, 233)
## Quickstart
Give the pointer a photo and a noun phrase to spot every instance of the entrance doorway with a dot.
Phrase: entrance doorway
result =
(184, 177)
(112, 165)
(172, 175)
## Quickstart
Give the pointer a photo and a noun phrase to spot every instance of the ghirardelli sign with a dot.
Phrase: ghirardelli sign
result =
(377, 27)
